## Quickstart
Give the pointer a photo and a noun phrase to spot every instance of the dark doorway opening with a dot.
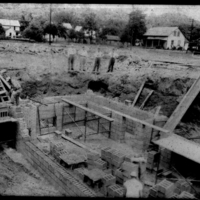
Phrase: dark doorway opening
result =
(8, 134)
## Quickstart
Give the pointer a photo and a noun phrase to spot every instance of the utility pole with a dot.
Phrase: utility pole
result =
(191, 30)
(50, 24)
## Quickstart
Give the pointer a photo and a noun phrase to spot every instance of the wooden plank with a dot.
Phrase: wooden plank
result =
(157, 111)
(148, 96)
(78, 144)
(88, 110)
(146, 123)
(185, 103)
(138, 94)
(2, 92)
(5, 82)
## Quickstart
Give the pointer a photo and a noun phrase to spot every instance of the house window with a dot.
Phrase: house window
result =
(10, 34)
(172, 43)
(174, 33)
(14, 28)
(178, 33)
(179, 42)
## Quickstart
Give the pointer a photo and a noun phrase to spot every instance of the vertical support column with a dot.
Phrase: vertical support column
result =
(38, 114)
(98, 125)
(158, 164)
(110, 125)
(85, 122)
(74, 113)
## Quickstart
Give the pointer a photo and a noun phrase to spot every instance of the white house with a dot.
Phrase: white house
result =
(86, 32)
(68, 26)
(11, 27)
(165, 37)
(78, 28)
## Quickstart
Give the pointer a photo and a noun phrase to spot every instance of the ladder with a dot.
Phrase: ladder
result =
(183, 106)
(3, 93)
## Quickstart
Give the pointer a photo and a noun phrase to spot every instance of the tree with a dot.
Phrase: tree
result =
(72, 34)
(135, 28)
(23, 23)
(50, 29)
(79, 36)
(61, 31)
(34, 31)
(90, 24)
(125, 35)
(65, 17)
(2, 31)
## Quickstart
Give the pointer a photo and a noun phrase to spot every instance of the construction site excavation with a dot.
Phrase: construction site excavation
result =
(77, 128)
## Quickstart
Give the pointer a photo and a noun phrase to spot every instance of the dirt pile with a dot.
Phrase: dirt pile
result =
(18, 178)
(166, 90)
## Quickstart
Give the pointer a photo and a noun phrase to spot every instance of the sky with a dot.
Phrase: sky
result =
(192, 11)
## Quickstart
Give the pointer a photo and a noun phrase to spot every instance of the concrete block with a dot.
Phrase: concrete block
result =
(100, 164)
(118, 173)
(166, 187)
(58, 134)
(108, 179)
(104, 190)
(93, 156)
(112, 189)
(119, 192)
(68, 132)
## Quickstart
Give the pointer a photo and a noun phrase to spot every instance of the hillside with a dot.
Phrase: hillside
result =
(104, 12)
(14, 11)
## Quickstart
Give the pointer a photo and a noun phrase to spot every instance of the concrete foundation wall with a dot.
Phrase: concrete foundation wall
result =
(140, 134)
(118, 106)
(65, 182)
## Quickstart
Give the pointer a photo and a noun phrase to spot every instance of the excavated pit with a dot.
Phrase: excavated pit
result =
(35, 68)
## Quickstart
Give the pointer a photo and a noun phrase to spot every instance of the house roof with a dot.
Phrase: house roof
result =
(112, 37)
(8, 22)
(160, 31)
(157, 38)
(78, 28)
(67, 25)
(181, 146)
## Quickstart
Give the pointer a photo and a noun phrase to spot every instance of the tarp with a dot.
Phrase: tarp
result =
(157, 38)
(181, 146)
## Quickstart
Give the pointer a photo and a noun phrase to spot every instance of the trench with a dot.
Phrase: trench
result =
(8, 134)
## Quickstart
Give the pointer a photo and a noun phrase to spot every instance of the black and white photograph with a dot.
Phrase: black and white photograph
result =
(100, 100)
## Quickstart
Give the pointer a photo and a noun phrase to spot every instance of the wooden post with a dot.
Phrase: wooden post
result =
(144, 102)
(38, 114)
(110, 126)
(75, 113)
(98, 126)
(85, 123)
(138, 94)
(158, 164)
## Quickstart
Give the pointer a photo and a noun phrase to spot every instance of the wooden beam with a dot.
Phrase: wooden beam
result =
(183, 106)
(157, 111)
(78, 144)
(88, 110)
(148, 96)
(146, 123)
(5, 82)
(138, 94)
